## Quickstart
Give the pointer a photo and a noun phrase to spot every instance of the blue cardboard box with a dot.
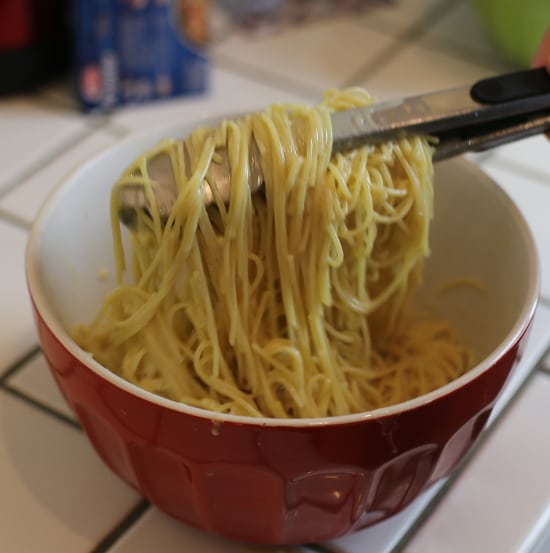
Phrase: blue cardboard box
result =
(129, 51)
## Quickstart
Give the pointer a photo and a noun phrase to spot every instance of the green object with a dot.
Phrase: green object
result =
(516, 26)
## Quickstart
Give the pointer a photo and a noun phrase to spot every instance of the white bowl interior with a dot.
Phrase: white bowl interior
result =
(478, 236)
(483, 271)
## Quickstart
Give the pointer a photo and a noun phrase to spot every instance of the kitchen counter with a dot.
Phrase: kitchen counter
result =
(56, 495)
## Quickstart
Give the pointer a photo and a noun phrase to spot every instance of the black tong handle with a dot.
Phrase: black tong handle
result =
(512, 86)
(521, 101)
(460, 119)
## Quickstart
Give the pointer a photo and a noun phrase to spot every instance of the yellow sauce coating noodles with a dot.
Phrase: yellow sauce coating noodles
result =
(290, 302)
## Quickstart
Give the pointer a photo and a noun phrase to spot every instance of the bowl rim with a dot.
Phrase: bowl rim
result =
(45, 311)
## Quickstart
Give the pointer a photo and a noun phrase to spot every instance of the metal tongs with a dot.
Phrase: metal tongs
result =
(492, 112)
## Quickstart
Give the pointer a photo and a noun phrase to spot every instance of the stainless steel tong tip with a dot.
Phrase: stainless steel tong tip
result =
(492, 112)
(216, 185)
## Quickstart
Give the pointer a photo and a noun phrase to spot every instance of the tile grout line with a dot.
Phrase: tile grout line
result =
(101, 120)
(464, 52)
(59, 102)
(134, 514)
(122, 527)
(29, 400)
(13, 219)
(239, 67)
(116, 130)
(429, 509)
(19, 364)
(544, 300)
(33, 168)
(36, 404)
(73, 140)
(402, 40)
(243, 69)
(449, 46)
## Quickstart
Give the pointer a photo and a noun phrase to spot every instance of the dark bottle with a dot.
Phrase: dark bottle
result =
(34, 43)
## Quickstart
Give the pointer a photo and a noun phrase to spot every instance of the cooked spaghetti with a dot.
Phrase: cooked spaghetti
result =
(289, 302)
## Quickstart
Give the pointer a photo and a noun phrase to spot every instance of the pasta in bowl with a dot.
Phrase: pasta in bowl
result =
(281, 455)
(292, 302)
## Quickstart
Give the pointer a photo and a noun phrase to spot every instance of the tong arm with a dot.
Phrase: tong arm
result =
(489, 113)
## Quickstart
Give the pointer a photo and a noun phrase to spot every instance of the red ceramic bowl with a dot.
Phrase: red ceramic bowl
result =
(286, 481)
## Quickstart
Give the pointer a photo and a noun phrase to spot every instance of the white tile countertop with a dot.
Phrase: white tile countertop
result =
(56, 496)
